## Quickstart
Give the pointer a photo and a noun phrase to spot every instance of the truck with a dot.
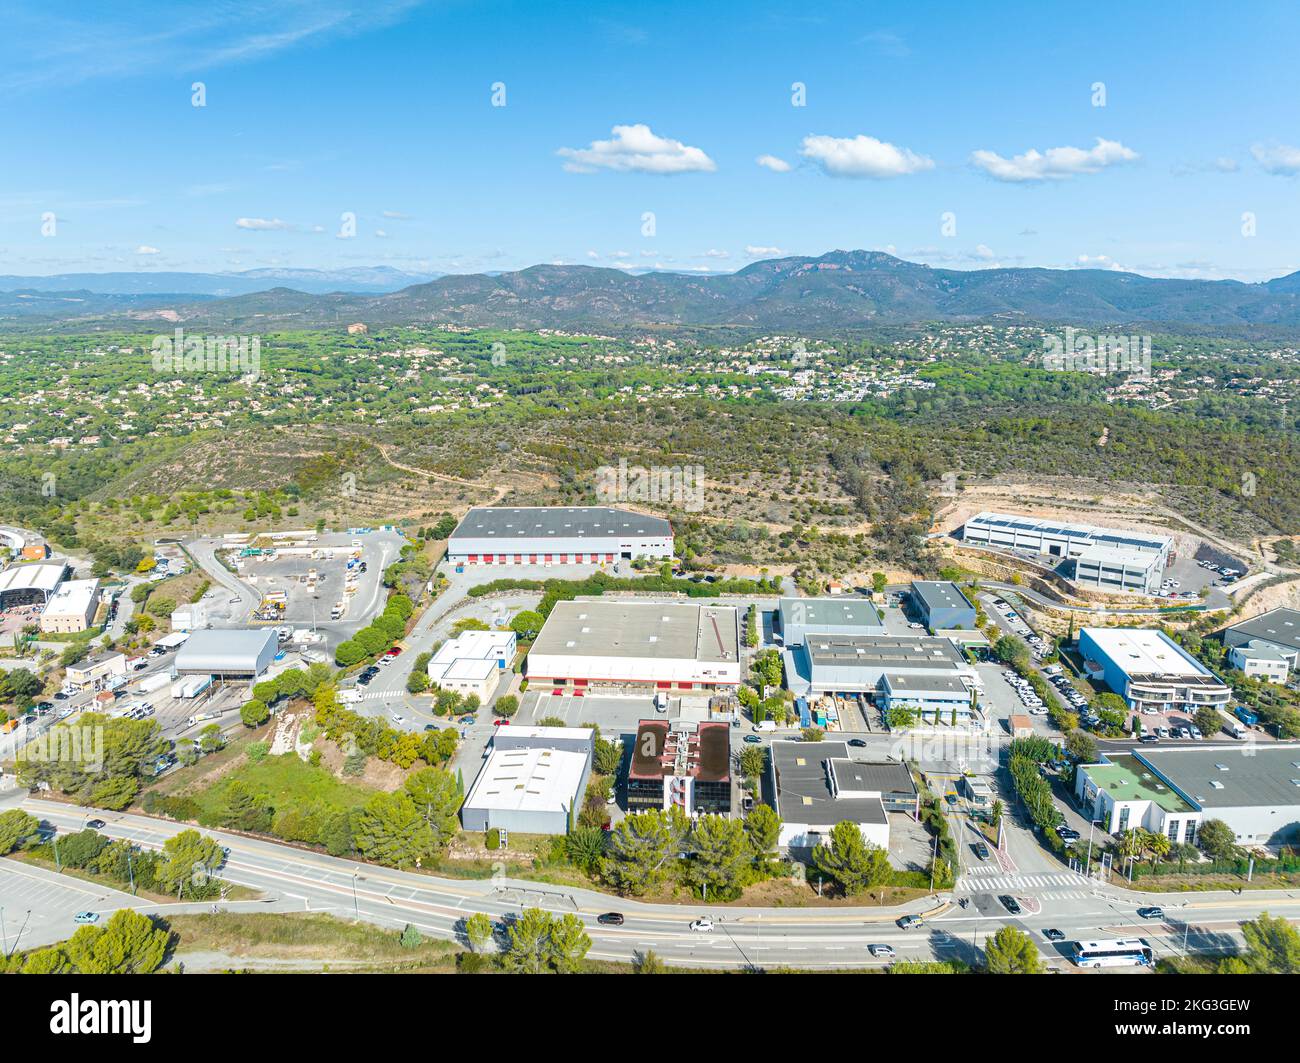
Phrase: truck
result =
(153, 682)
(191, 686)
(1235, 729)
(1245, 715)
(201, 717)
(661, 702)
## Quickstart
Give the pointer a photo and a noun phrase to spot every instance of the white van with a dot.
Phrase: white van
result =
(1236, 729)
(765, 725)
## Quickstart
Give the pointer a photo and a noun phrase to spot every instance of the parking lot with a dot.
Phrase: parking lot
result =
(39, 905)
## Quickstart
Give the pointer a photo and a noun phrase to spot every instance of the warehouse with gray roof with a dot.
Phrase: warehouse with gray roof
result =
(940, 604)
(798, 617)
(557, 535)
(229, 653)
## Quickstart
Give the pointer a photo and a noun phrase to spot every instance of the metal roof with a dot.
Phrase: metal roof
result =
(1280, 626)
(1064, 529)
(831, 612)
(665, 631)
(803, 790)
(1231, 776)
(533, 522)
(1146, 654)
(224, 650)
(940, 594)
(39, 577)
(901, 651)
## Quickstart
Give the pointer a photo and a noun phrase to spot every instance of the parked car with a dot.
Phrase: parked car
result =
(86, 917)
(610, 919)
(1149, 739)
(753, 740)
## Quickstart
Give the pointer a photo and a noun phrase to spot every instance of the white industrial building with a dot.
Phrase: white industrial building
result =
(533, 780)
(190, 617)
(557, 535)
(95, 672)
(473, 662)
(72, 607)
(672, 645)
(30, 584)
(1149, 670)
(1106, 558)
(1255, 790)
(232, 653)
(1266, 646)
(818, 785)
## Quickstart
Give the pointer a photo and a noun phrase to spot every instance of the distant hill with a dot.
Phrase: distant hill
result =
(841, 289)
(369, 280)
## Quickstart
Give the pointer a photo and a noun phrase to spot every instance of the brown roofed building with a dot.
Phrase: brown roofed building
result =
(681, 763)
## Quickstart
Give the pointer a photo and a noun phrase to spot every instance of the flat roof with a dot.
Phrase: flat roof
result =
(884, 777)
(470, 669)
(1069, 529)
(1145, 653)
(581, 522)
(891, 651)
(529, 780)
(940, 594)
(1281, 626)
(803, 786)
(666, 631)
(1260, 650)
(73, 598)
(1232, 776)
(700, 750)
(925, 683)
(35, 577)
(1126, 778)
(831, 612)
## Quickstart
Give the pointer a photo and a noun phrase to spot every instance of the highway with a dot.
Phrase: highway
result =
(812, 937)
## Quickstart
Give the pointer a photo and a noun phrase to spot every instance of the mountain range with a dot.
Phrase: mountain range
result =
(837, 290)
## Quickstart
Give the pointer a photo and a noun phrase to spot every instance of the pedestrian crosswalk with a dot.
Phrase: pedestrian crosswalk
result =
(982, 879)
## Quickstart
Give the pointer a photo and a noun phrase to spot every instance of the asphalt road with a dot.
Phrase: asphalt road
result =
(742, 937)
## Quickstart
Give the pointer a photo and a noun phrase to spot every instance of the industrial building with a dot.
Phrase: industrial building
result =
(1255, 791)
(72, 607)
(940, 604)
(229, 653)
(921, 664)
(1106, 558)
(944, 698)
(682, 763)
(557, 535)
(796, 618)
(30, 584)
(666, 646)
(190, 617)
(818, 785)
(1149, 670)
(1258, 644)
(533, 780)
(473, 663)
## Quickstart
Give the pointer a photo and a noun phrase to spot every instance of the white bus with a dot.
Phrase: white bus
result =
(1116, 952)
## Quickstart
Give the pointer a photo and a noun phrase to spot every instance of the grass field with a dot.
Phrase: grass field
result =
(287, 782)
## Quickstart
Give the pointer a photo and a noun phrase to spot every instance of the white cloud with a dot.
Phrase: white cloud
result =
(983, 251)
(263, 224)
(862, 156)
(593, 254)
(145, 249)
(773, 163)
(1280, 159)
(634, 148)
(396, 215)
(1099, 262)
(714, 252)
(381, 234)
(762, 252)
(1053, 164)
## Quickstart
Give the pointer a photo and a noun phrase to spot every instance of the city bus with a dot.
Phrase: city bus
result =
(1115, 952)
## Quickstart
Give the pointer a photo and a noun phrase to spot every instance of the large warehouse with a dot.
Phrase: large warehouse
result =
(1255, 791)
(671, 645)
(848, 664)
(1149, 670)
(683, 763)
(1106, 558)
(818, 785)
(796, 618)
(230, 653)
(557, 535)
(533, 780)
(30, 584)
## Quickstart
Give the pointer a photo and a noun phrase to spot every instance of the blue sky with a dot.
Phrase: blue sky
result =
(980, 115)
